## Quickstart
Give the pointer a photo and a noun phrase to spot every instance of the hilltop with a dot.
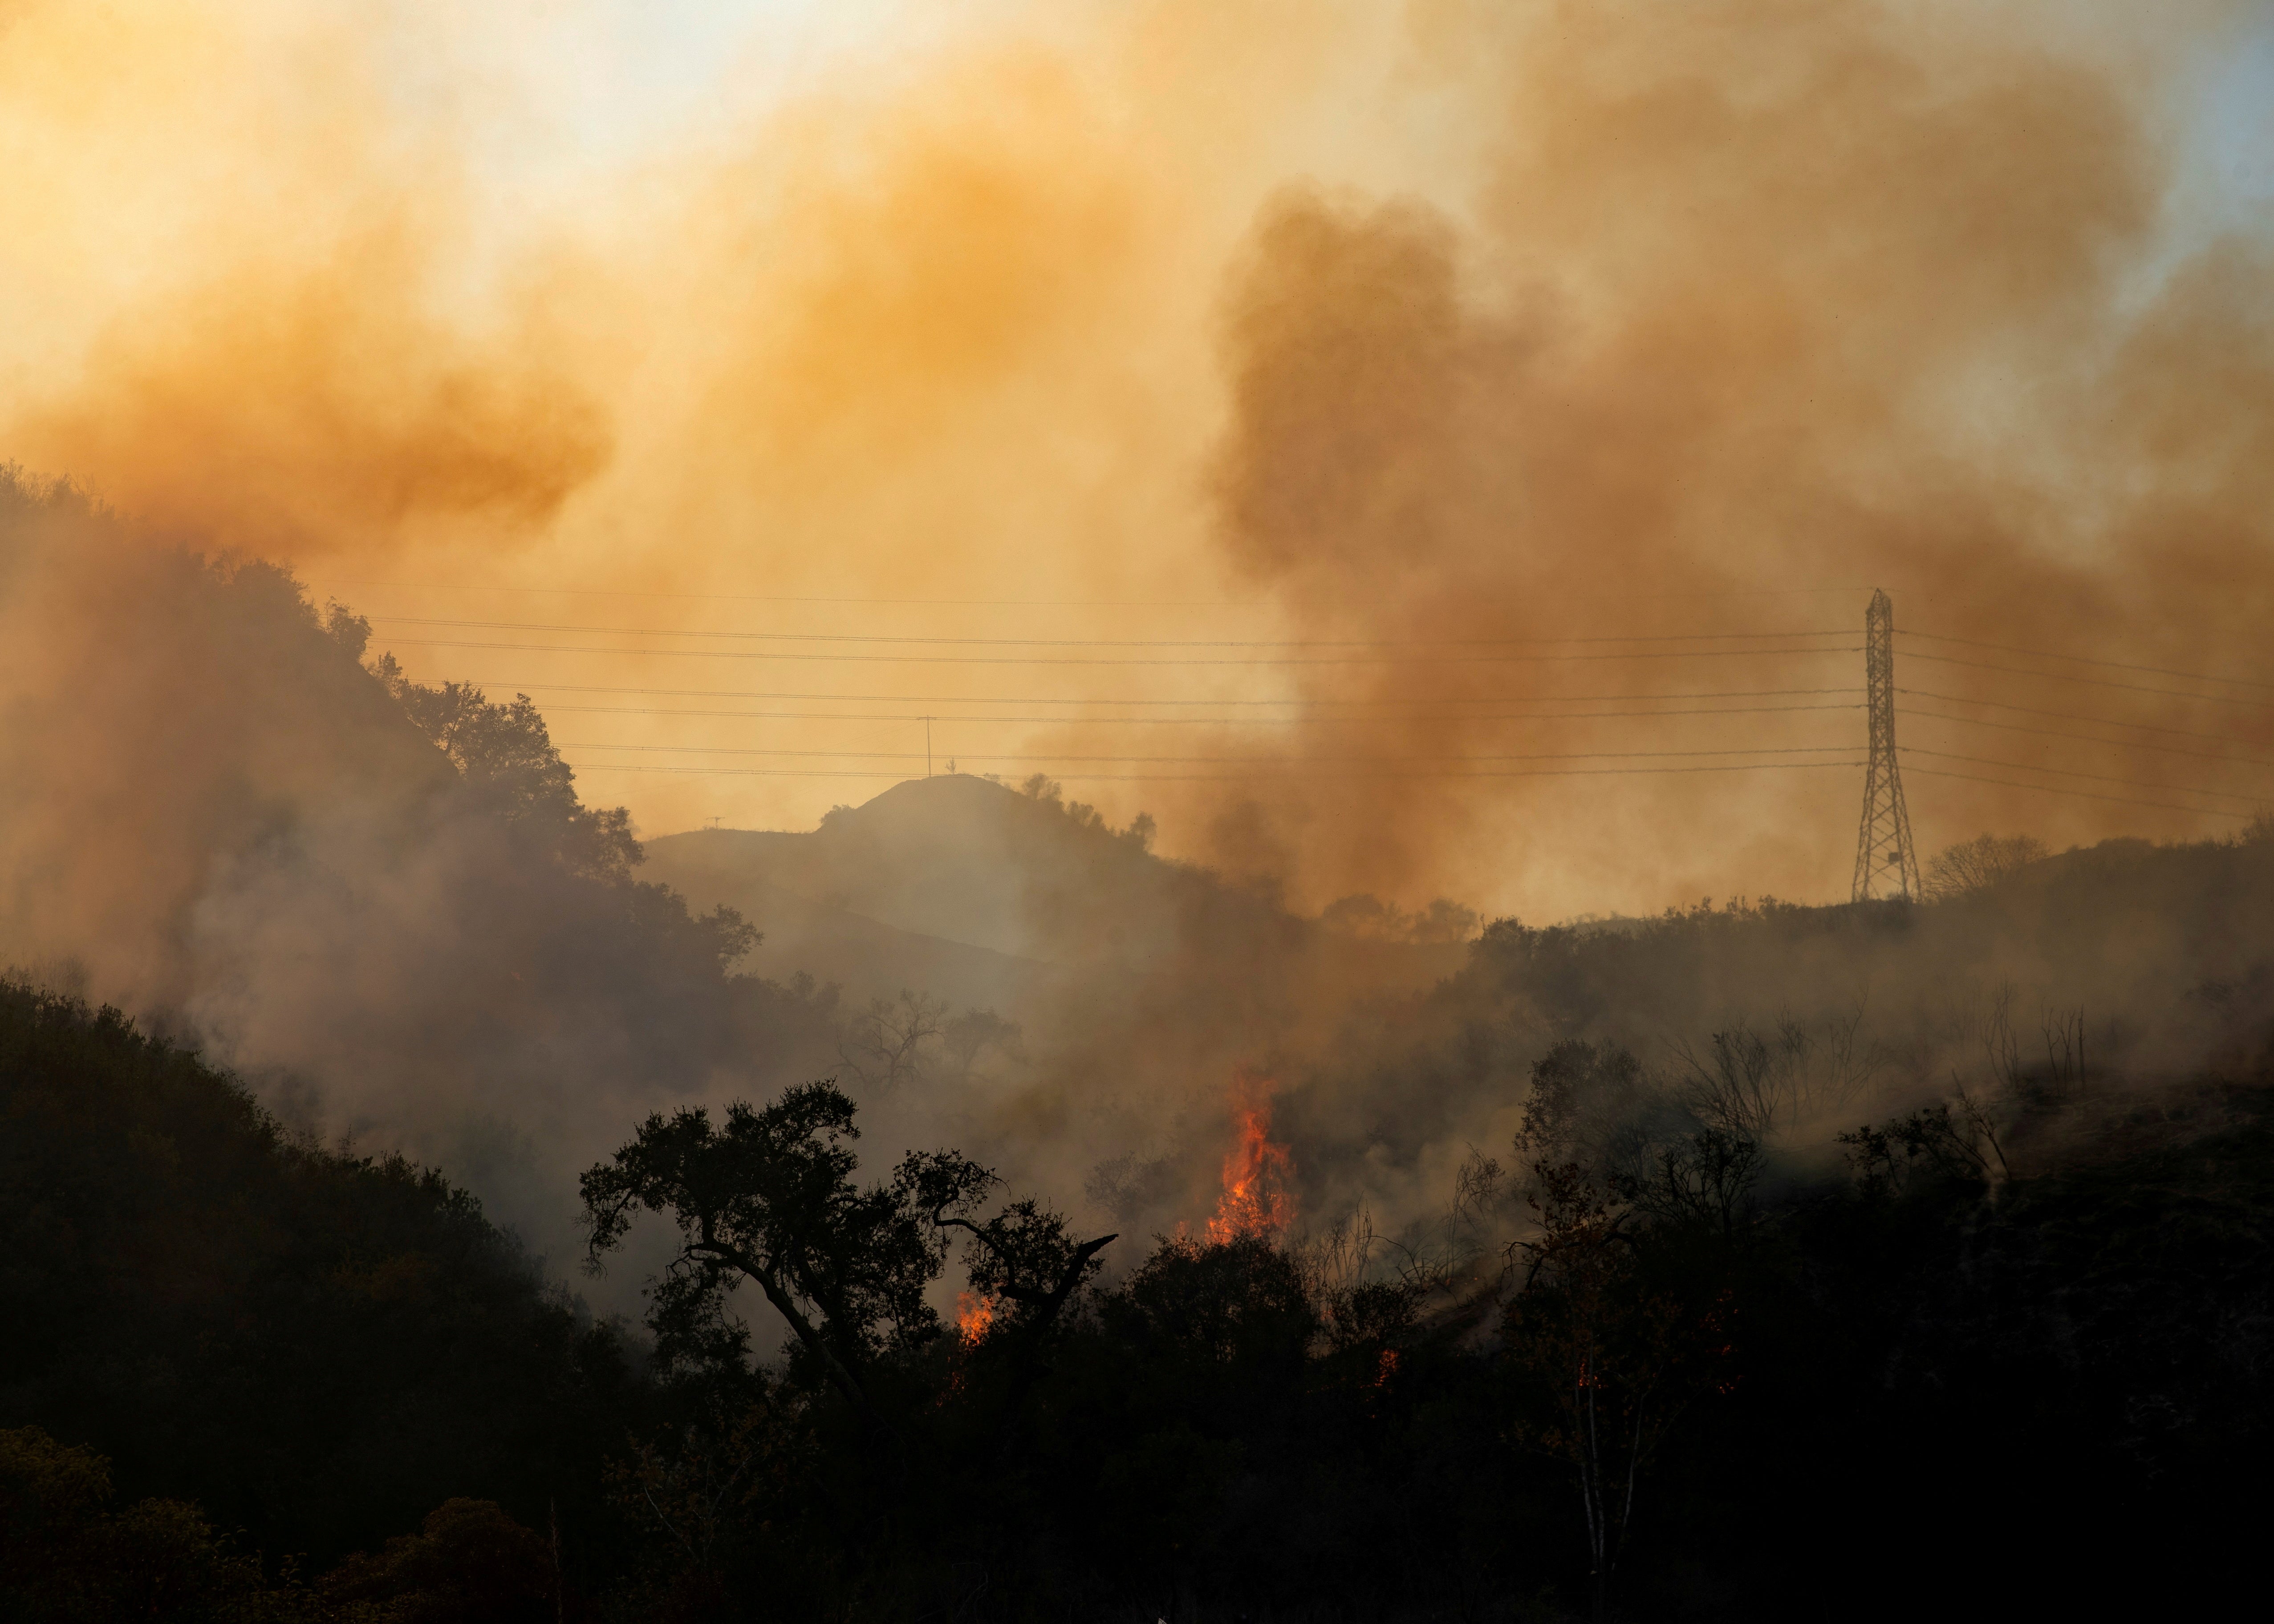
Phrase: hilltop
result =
(983, 894)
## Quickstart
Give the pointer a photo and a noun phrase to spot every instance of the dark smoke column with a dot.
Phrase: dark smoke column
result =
(1883, 841)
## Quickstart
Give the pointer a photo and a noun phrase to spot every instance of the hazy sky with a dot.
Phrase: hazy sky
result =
(934, 303)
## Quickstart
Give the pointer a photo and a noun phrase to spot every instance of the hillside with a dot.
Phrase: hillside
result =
(380, 903)
(1140, 987)
(2124, 966)
(318, 1347)
(955, 857)
(1023, 875)
(759, 874)
(326, 1350)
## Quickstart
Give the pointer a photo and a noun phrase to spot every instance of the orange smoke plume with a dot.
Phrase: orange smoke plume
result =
(1255, 1202)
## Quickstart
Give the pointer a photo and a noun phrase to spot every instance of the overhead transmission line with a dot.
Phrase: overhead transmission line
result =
(523, 686)
(1229, 761)
(2097, 778)
(2081, 660)
(2199, 794)
(1196, 721)
(2133, 688)
(1030, 699)
(2068, 716)
(989, 602)
(2080, 794)
(1048, 659)
(1114, 643)
(1269, 761)
(772, 597)
(1545, 772)
(1311, 712)
(1134, 777)
(2118, 744)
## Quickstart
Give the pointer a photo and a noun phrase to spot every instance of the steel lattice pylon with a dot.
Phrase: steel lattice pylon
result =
(1883, 841)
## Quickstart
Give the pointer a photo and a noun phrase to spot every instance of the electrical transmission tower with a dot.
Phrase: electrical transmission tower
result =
(1886, 865)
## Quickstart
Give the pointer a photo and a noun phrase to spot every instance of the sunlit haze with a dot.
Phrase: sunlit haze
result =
(548, 335)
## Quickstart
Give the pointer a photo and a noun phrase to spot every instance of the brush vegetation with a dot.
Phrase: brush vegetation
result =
(250, 1377)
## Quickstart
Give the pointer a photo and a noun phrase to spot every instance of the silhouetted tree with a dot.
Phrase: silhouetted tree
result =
(884, 1046)
(768, 1196)
(1605, 1361)
(66, 1555)
(1979, 863)
(469, 1564)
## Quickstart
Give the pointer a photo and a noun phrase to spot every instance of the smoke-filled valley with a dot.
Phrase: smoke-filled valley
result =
(1054, 814)
(1347, 1139)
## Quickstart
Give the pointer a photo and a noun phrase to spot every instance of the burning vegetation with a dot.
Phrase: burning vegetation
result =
(975, 1317)
(1257, 1203)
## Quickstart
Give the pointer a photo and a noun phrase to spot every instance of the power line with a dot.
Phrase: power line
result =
(2080, 794)
(995, 660)
(763, 597)
(1742, 592)
(2095, 777)
(1101, 643)
(2113, 744)
(1029, 699)
(1139, 777)
(1348, 712)
(2066, 716)
(2080, 660)
(1226, 760)
(998, 603)
(1347, 704)
(1193, 721)
(2061, 676)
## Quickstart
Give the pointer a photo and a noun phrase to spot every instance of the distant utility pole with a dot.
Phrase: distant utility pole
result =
(927, 747)
(1885, 866)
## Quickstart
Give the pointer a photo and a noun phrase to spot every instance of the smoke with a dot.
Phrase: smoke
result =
(1426, 322)
(1760, 296)
(1421, 331)
(245, 259)
(216, 819)
(306, 415)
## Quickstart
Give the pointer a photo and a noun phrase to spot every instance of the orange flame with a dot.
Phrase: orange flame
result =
(975, 1316)
(1255, 1200)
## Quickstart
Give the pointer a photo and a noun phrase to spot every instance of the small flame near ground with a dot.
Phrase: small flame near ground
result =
(975, 1316)
(1255, 1200)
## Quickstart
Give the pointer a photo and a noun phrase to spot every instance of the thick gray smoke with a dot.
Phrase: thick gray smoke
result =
(1763, 305)
(385, 906)
(218, 819)
(1796, 292)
